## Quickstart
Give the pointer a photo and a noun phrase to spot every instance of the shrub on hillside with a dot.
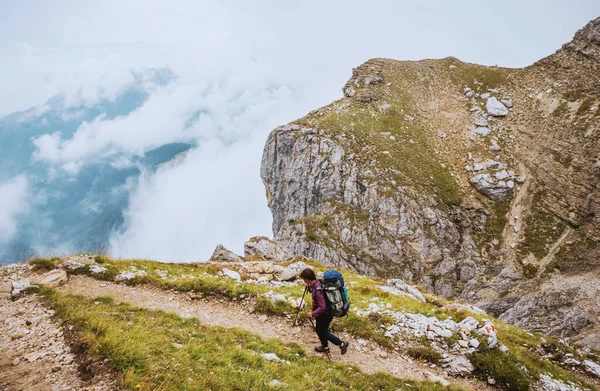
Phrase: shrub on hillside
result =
(43, 264)
(424, 353)
(504, 369)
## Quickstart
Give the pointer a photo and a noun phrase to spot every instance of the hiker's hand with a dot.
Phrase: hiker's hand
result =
(309, 314)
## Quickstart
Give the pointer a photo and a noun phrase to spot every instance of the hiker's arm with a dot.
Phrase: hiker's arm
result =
(320, 305)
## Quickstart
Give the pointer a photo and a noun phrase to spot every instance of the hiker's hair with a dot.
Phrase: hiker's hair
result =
(308, 274)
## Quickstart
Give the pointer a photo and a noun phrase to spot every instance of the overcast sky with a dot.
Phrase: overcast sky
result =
(250, 65)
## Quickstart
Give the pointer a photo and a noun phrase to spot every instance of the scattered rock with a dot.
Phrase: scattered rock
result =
(438, 379)
(547, 383)
(19, 286)
(125, 276)
(482, 131)
(72, 265)
(480, 120)
(495, 107)
(275, 384)
(401, 286)
(474, 343)
(273, 357)
(457, 365)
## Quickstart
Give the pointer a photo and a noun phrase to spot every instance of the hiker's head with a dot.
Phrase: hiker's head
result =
(308, 275)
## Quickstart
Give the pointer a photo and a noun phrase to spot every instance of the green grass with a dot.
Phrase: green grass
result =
(504, 369)
(542, 229)
(43, 264)
(560, 110)
(161, 351)
(495, 223)
(203, 279)
(424, 353)
(585, 106)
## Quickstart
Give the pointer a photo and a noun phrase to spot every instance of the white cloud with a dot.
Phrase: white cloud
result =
(14, 198)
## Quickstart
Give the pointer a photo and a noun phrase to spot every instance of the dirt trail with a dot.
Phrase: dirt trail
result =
(215, 312)
(38, 352)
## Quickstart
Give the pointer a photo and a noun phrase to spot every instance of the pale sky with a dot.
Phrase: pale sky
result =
(251, 65)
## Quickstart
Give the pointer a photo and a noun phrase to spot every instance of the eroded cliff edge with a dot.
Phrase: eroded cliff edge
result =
(475, 182)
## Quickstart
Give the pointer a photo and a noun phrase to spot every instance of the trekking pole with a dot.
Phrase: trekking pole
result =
(312, 322)
(300, 306)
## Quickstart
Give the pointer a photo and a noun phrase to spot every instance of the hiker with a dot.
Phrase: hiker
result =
(321, 313)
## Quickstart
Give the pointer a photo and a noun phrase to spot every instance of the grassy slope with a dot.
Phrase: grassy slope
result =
(155, 350)
(203, 279)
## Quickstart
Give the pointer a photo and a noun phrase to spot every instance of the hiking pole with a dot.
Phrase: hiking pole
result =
(312, 322)
(300, 306)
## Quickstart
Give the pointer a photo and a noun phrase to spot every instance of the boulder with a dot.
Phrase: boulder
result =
(231, 274)
(457, 365)
(592, 368)
(72, 265)
(95, 269)
(482, 131)
(222, 254)
(19, 286)
(495, 107)
(286, 275)
(53, 278)
(497, 190)
(404, 287)
(264, 248)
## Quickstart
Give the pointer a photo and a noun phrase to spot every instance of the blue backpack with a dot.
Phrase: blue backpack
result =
(336, 294)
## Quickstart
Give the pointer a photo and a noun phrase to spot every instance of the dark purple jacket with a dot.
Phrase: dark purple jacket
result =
(318, 298)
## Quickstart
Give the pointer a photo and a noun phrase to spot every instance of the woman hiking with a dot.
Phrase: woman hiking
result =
(321, 314)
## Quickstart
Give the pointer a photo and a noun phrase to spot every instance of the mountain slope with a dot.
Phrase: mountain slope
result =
(228, 326)
(474, 182)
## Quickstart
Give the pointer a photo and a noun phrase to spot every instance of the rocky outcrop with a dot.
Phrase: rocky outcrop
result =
(264, 248)
(53, 278)
(224, 255)
(465, 179)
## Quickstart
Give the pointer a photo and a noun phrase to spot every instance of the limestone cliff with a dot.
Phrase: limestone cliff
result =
(475, 182)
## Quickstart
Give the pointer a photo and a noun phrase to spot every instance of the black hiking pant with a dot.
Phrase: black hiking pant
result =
(322, 327)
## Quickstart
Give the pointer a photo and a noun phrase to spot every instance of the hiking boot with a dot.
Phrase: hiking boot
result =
(322, 349)
(344, 347)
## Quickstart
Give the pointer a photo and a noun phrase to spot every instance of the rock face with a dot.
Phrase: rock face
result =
(263, 248)
(467, 180)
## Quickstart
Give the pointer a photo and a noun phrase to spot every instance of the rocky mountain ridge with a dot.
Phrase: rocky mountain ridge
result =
(474, 182)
